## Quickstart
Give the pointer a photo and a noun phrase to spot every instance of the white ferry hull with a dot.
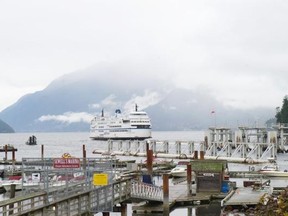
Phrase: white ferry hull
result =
(139, 134)
(136, 125)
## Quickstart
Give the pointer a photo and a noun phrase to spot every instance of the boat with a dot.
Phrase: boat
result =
(32, 140)
(181, 170)
(12, 180)
(134, 126)
(273, 170)
(269, 168)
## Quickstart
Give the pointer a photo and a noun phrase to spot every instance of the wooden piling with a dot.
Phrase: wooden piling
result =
(196, 155)
(12, 195)
(42, 152)
(123, 209)
(6, 150)
(189, 180)
(201, 155)
(84, 151)
(84, 156)
(149, 159)
(13, 155)
(166, 194)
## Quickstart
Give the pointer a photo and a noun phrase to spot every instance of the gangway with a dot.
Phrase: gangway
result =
(146, 191)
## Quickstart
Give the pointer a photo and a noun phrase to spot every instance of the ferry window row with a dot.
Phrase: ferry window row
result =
(143, 126)
(115, 126)
(119, 130)
(140, 121)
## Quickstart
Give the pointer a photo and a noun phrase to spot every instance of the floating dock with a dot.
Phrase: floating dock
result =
(178, 196)
(246, 196)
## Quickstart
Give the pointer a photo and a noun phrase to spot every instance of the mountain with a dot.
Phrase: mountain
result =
(5, 128)
(70, 101)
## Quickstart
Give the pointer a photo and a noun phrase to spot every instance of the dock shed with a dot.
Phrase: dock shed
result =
(209, 174)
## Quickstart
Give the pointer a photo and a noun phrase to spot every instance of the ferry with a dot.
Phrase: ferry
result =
(135, 125)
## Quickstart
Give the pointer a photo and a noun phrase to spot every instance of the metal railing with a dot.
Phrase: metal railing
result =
(145, 191)
(78, 201)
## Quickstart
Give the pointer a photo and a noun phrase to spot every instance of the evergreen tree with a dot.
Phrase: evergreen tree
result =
(282, 114)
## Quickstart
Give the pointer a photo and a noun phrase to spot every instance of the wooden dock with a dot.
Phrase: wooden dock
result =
(178, 196)
(245, 174)
(246, 196)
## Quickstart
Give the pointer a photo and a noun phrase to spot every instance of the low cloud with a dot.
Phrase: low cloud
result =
(109, 101)
(149, 98)
(68, 117)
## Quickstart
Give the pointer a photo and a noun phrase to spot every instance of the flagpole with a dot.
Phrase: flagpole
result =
(214, 114)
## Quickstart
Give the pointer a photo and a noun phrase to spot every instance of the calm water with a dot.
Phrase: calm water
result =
(56, 144)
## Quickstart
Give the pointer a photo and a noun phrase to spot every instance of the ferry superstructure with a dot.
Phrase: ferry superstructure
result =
(135, 125)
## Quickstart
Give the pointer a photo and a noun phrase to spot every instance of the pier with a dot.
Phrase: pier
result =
(82, 200)
(245, 145)
(73, 200)
(247, 196)
(85, 186)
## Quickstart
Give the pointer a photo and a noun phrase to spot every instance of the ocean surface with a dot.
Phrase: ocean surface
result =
(56, 144)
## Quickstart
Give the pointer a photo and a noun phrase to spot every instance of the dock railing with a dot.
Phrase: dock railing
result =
(146, 191)
(77, 202)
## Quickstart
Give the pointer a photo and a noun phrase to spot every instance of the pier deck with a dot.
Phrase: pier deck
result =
(246, 196)
(178, 196)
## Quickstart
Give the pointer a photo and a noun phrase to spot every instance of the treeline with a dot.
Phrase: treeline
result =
(282, 112)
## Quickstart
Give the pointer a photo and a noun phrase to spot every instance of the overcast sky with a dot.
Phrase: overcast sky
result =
(237, 49)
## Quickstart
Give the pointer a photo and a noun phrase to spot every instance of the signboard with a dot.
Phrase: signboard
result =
(208, 182)
(100, 179)
(208, 165)
(36, 177)
(66, 163)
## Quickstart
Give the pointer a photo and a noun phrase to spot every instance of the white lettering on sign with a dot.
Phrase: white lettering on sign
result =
(66, 163)
(208, 174)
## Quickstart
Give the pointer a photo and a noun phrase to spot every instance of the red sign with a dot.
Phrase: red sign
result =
(66, 163)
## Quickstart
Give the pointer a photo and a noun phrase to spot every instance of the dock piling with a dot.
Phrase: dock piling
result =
(189, 180)
(123, 209)
(166, 194)
(202, 153)
(6, 152)
(196, 155)
(13, 155)
(12, 195)
(149, 160)
(84, 156)
(42, 152)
